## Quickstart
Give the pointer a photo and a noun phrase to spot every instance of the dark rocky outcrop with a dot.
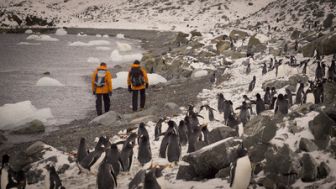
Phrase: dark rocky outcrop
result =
(325, 45)
(309, 168)
(322, 128)
(33, 127)
(221, 133)
(307, 145)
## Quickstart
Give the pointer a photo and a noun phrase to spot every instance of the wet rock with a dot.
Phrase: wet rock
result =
(321, 127)
(209, 160)
(254, 45)
(195, 33)
(307, 145)
(309, 168)
(325, 45)
(260, 129)
(222, 46)
(186, 172)
(238, 34)
(223, 173)
(221, 133)
(33, 127)
(323, 170)
(110, 118)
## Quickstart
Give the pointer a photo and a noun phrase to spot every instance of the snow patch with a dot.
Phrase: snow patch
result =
(15, 115)
(200, 73)
(117, 57)
(47, 81)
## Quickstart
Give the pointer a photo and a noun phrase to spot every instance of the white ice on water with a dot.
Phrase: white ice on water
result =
(120, 36)
(124, 47)
(29, 31)
(27, 43)
(61, 31)
(42, 37)
(116, 56)
(90, 43)
(15, 115)
(50, 82)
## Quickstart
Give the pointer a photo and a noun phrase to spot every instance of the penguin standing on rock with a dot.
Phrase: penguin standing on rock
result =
(241, 170)
(52, 180)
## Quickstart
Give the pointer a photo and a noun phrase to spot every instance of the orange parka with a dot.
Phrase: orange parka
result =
(144, 75)
(107, 88)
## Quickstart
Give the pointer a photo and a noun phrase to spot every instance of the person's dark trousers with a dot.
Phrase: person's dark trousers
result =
(135, 99)
(99, 99)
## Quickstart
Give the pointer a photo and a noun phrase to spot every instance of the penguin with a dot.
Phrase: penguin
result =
(213, 78)
(228, 110)
(319, 92)
(244, 114)
(210, 112)
(113, 157)
(260, 105)
(82, 150)
(305, 64)
(220, 102)
(193, 137)
(318, 72)
(182, 132)
(158, 127)
(281, 105)
(264, 69)
(126, 154)
(138, 180)
(248, 69)
(52, 180)
(144, 151)
(205, 132)
(106, 178)
(248, 102)
(241, 170)
(300, 94)
(252, 84)
(9, 178)
(271, 64)
(267, 96)
(165, 140)
(174, 147)
(289, 97)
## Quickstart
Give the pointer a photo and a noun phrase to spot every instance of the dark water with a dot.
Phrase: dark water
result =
(21, 66)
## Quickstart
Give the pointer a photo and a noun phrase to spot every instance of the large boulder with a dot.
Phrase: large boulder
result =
(260, 129)
(110, 118)
(309, 168)
(207, 161)
(238, 34)
(327, 23)
(307, 145)
(181, 39)
(323, 170)
(33, 127)
(254, 45)
(278, 84)
(221, 133)
(329, 90)
(295, 35)
(325, 45)
(257, 152)
(186, 172)
(222, 46)
(322, 128)
(195, 33)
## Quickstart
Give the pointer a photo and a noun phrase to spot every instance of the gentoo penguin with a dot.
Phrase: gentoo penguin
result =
(205, 132)
(300, 94)
(106, 178)
(146, 178)
(82, 150)
(281, 105)
(318, 72)
(182, 131)
(210, 112)
(174, 147)
(244, 114)
(165, 140)
(264, 69)
(220, 102)
(126, 154)
(52, 180)
(248, 69)
(193, 137)
(9, 178)
(158, 127)
(268, 96)
(241, 170)
(113, 157)
(144, 151)
(260, 105)
(228, 110)
(252, 84)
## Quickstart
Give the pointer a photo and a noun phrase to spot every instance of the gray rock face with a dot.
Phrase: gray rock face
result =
(3, 139)
(222, 46)
(309, 168)
(326, 45)
(329, 90)
(295, 35)
(255, 45)
(110, 118)
(260, 129)
(221, 133)
(323, 170)
(209, 160)
(33, 127)
(237, 34)
(223, 173)
(257, 152)
(307, 145)
(186, 172)
(321, 127)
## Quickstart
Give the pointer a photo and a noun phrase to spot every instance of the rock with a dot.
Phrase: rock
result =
(295, 79)
(323, 170)
(278, 84)
(181, 39)
(172, 107)
(3, 139)
(223, 173)
(238, 34)
(149, 62)
(234, 54)
(46, 73)
(290, 168)
(307, 145)
(110, 118)
(327, 23)
(219, 38)
(209, 160)
(309, 168)
(274, 51)
(257, 152)
(32, 20)
(35, 148)
(62, 169)
(33, 127)
(222, 46)
(295, 35)
(144, 119)
(260, 129)
(254, 45)
(195, 33)
(329, 90)
(321, 128)
(186, 172)
(198, 73)
(325, 45)
(304, 108)
(221, 133)
(34, 177)
(196, 44)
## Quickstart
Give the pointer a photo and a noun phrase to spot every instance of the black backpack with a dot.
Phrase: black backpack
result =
(137, 77)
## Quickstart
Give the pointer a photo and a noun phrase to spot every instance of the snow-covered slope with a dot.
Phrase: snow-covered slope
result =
(143, 14)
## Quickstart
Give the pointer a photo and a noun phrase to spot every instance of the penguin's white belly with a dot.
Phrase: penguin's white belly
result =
(240, 130)
(94, 168)
(310, 98)
(4, 178)
(243, 173)
(47, 180)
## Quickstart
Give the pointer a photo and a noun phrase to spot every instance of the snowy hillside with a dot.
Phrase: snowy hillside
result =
(143, 14)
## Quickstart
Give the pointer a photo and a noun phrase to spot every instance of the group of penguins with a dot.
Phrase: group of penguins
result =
(107, 161)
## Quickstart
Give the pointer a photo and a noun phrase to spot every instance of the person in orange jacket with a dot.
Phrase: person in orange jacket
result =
(137, 81)
(102, 87)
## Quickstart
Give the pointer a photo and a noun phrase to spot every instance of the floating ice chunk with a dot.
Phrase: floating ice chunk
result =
(27, 43)
(81, 34)
(200, 73)
(120, 36)
(106, 36)
(47, 81)
(124, 47)
(121, 80)
(90, 43)
(98, 35)
(15, 115)
(41, 38)
(78, 44)
(93, 60)
(117, 57)
(29, 31)
(61, 31)
(103, 48)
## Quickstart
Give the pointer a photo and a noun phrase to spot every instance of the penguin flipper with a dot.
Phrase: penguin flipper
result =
(114, 177)
(232, 172)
